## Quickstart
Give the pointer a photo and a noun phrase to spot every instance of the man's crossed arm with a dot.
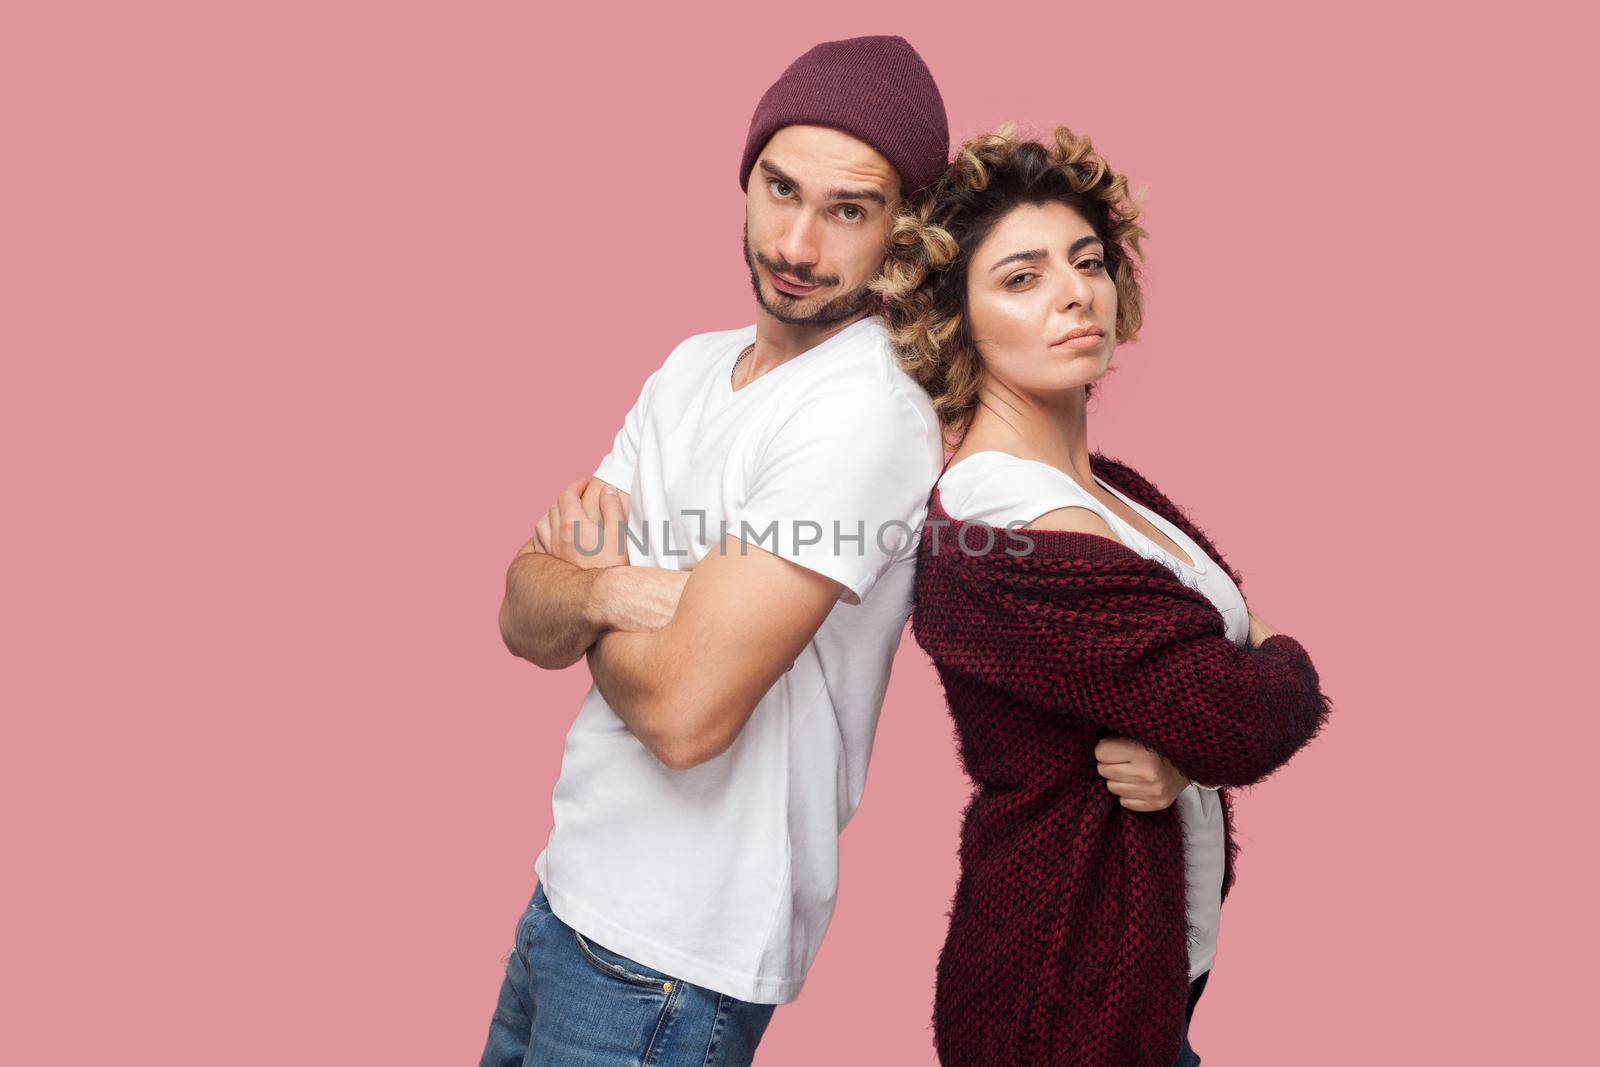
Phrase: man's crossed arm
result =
(558, 599)
(682, 658)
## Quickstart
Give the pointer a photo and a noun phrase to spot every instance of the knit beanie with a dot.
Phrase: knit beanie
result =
(874, 88)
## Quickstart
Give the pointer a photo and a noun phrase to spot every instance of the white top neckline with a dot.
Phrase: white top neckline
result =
(743, 337)
(1197, 568)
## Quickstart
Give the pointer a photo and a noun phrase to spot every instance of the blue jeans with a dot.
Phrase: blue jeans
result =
(570, 1002)
(1187, 1057)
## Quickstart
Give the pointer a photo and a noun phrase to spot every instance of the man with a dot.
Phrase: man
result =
(771, 481)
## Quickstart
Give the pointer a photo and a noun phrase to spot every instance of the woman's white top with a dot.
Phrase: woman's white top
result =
(998, 488)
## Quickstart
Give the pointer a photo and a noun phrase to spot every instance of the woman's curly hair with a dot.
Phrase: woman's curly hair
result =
(924, 279)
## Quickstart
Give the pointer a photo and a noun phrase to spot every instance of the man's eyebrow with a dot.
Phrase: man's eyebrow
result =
(857, 194)
(833, 194)
(774, 172)
(1039, 253)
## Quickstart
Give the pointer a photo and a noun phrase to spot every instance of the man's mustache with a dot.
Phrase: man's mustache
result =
(799, 274)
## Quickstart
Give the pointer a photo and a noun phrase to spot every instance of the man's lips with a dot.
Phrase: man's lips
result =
(790, 286)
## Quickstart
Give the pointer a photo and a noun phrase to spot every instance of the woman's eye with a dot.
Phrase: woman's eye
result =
(1096, 260)
(1017, 281)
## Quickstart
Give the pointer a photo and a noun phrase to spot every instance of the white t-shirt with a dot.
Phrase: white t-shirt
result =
(725, 875)
(998, 488)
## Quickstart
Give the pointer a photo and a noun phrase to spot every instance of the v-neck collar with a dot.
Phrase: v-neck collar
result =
(746, 336)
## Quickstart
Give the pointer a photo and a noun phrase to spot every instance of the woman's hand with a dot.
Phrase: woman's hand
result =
(1260, 630)
(1141, 778)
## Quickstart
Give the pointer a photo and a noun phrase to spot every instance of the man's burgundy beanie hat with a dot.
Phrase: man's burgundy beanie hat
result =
(874, 88)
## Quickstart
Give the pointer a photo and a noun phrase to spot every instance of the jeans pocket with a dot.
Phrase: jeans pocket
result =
(537, 911)
(621, 968)
(540, 902)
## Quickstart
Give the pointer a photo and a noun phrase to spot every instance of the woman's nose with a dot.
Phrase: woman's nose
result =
(1075, 291)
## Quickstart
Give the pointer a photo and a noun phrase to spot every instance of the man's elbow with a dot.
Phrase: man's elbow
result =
(508, 631)
(523, 646)
(682, 755)
(689, 736)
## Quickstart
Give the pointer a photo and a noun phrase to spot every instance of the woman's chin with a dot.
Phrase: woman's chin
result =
(1062, 384)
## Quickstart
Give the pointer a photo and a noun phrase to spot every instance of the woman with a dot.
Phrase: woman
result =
(1107, 681)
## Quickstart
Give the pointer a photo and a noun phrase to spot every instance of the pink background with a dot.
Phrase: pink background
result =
(310, 309)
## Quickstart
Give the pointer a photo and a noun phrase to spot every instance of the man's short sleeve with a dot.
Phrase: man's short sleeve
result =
(620, 463)
(842, 486)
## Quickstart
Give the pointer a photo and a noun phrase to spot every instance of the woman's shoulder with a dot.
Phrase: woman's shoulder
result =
(986, 464)
(1074, 518)
(999, 488)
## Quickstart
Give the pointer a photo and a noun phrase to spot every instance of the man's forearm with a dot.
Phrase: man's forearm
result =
(551, 611)
(687, 689)
(623, 667)
(644, 680)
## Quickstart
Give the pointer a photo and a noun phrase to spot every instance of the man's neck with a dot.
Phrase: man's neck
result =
(779, 342)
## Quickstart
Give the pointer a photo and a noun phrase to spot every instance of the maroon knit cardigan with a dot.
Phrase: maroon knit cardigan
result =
(1068, 935)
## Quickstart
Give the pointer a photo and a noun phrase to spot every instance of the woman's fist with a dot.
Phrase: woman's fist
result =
(1142, 779)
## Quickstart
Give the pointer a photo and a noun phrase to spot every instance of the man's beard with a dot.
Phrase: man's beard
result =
(831, 313)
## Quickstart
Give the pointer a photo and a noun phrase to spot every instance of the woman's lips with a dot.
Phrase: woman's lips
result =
(793, 288)
(1088, 340)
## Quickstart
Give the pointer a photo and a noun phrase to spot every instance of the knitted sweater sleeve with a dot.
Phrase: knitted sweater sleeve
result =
(1119, 642)
(1223, 715)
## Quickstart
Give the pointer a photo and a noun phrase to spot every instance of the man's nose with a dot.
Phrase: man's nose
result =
(799, 244)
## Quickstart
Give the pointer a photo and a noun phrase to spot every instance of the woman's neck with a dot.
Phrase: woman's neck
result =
(1054, 430)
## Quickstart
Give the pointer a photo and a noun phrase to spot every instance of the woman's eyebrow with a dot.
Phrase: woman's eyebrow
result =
(1018, 257)
(1038, 253)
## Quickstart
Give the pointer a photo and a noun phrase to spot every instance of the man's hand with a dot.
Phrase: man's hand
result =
(636, 599)
(586, 526)
(558, 600)
(1143, 779)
